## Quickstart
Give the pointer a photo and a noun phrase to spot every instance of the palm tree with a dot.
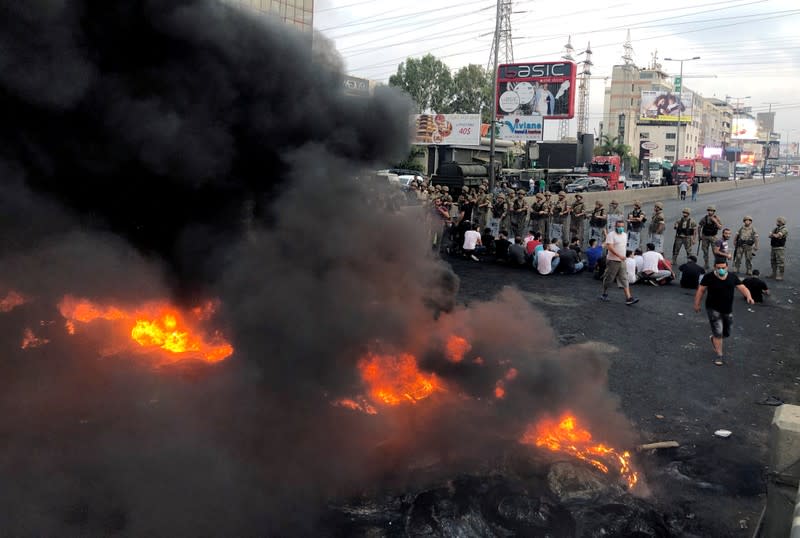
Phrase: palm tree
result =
(612, 146)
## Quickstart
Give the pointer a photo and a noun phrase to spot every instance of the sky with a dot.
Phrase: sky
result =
(749, 49)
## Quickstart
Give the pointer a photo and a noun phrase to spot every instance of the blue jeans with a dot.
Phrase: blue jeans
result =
(694, 196)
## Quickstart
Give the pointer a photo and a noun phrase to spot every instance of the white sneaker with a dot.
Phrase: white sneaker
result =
(474, 257)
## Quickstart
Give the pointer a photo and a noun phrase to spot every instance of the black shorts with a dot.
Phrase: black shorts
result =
(720, 323)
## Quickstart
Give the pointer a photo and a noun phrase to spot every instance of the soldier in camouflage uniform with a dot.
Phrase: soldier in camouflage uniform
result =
(685, 228)
(710, 225)
(578, 216)
(560, 211)
(519, 214)
(614, 213)
(538, 214)
(777, 240)
(548, 217)
(500, 211)
(636, 219)
(657, 227)
(746, 244)
(483, 206)
(597, 222)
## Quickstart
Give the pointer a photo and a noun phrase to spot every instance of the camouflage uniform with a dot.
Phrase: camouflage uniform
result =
(597, 222)
(519, 214)
(613, 209)
(685, 229)
(560, 211)
(777, 241)
(548, 217)
(500, 211)
(657, 226)
(483, 206)
(709, 227)
(636, 220)
(539, 214)
(746, 243)
(578, 216)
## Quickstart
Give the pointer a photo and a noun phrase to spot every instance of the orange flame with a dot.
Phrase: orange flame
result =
(155, 325)
(30, 340)
(457, 347)
(356, 405)
(566, 436)
(11, 301)
(393, 379)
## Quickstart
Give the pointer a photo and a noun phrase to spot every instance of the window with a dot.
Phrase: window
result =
(644, 136)
(671, 136)
(669, 148)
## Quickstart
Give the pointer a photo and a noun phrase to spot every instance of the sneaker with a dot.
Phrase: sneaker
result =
(652, 282)
(632, 300)
(474, 257)
(604, 297)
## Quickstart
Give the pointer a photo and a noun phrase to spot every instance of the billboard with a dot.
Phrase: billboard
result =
(460, 129)
(525, 128)
(661, 106)
(357, 87)
(744, 128)
(712, 153)
(766, 124)
(544, 88)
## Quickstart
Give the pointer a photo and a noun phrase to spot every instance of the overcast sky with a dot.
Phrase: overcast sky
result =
(747, 48)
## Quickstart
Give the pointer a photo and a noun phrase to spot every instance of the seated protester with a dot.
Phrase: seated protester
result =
(630, 268)
(553, 245)
(575, 244)
(501, 247)
(487, 241)
(516, 253)
(600, 268)
(472, 240)
(530, 246)
(637, 255)
(528, 238)
(593, 254)
(650, 271)
(691, 273)
(758, 288)
(547, 261)
(569, 263)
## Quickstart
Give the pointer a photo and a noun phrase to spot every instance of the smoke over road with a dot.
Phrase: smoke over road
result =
(184, 149)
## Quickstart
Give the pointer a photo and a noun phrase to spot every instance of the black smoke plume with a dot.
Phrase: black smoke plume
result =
(186, 149)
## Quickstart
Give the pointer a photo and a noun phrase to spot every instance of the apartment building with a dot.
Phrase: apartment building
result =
(298, 13)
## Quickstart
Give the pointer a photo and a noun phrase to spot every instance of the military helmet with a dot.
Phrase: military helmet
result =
(548, 193)
(501, 196)
(521, 191)
(445, 188)
(482, 187)
(562, 193)
(686, 210)
(437, 187)
(711, 208)
(747, 217)
(659, 205)
(464, 189)
(614, 202)
(637, 203)
(579, 195)
(598, 202)
(781, 221)
(539, 195)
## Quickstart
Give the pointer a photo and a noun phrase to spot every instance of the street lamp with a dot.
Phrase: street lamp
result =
(736, 111)
(680, 104)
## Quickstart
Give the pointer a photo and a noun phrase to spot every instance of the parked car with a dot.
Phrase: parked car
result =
(588, 184)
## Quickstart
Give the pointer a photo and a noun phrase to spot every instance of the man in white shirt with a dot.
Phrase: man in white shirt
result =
(546, 262)
(650, 272)
(615, 243)
(630, 268)
(472, 239)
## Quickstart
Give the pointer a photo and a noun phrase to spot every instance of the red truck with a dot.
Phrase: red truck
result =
(607, 167)
(692, 170)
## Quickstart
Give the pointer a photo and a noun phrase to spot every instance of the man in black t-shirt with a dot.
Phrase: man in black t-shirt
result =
(501, 247)
(720, 285)
(758, 288)
(691, 273)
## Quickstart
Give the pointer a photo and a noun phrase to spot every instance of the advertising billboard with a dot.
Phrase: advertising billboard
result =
(712, 153)
(544, 88)
(524, 128)
(766, 124)
(460, 129)
(665, 107)
(744, 128)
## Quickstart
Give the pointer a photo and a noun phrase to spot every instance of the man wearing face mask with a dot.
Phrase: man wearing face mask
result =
(615, 242)
(719, 304)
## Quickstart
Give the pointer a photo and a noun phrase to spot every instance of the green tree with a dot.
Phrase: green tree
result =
(472, 92)
(428, 81)
(411, 162)
(612, 146)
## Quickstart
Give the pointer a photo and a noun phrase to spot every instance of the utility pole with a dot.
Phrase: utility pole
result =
(679, 91)
(736, 111)
(502, 27)
(766, 151)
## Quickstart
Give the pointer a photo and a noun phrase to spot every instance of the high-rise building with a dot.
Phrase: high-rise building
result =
(298, 13)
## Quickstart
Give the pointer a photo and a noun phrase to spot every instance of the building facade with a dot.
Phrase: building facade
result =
(297, 13)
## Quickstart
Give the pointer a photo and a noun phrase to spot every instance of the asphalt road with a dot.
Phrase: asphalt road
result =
(662, 368)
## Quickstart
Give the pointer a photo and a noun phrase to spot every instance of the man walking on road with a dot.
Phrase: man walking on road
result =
(777, 240)
(695, 188)
(615, 242)
(720, 285)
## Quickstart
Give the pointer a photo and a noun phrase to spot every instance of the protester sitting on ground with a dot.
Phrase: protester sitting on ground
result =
(530, 246)
(637, 255)
(651, 273)
(501, 247)
(528, 238)
(593, 254)
(630, 268)
(487, 242)
(569, 262)
(546, 261)
(758, 288)
(691, 273)
(516, 253)
(575, 244)
(600, 268)
(472, 240)
(554, 245)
